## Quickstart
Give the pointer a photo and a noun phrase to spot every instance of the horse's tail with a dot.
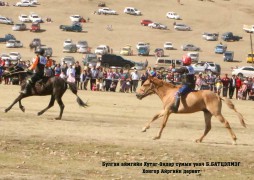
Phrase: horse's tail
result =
(232, 106)
(74, 90)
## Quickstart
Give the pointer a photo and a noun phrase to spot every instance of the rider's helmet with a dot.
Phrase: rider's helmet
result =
(39, 51)
(186, 60)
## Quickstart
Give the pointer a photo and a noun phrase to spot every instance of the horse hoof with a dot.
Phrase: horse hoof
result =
(197, 141)
(6, 110)
(156, 137)
(39, 113)
(58, 118)
(22, 109)
(143, 130)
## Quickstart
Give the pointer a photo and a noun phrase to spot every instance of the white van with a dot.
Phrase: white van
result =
(164, 63)
(132, 11)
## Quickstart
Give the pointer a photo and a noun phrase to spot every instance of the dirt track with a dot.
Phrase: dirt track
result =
(38, 147)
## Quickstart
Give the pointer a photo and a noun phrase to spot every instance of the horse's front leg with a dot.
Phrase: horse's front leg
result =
(164, 122)
(156, 116)
(51, 103)
(21, 106)
(21, 96)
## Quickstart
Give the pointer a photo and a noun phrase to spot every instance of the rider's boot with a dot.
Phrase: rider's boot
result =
(27, 88)
(176, 104)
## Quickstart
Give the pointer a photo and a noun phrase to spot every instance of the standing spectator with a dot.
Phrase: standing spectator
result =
(110, 76)
(1, 73)
(94, 75)
(211, 82)
(135, 79)
(143, 78)
(77, 73)
(57, 70)
(71, 73)
(238, 84)
(225, 83)
(199, 81)
(249, 86)
(83, 79)
(232, 86)
(100, 78)
(88, 77)
(64, 68)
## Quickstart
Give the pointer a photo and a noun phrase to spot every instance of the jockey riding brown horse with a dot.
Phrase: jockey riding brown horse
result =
(204, 100)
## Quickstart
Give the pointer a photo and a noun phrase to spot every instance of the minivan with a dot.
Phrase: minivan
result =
(132, 11)
(163, 63)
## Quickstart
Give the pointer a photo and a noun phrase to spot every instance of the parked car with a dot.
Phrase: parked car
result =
(19, 27)
(132, 11)
(5, 56)
(156, 25)
(250, 58)
(210, 36)
(35, 27)
(81, 43)
(145, 22)
(248, 28)
(102, 49)
(126, 51)
(15, 56)
(228, 56)
(173, 15)
(25, 4)
(68, 60)
(36, 42)
(205, 67)
(140, 65)
(144, 51)
(229, 36)
(75, 18)
(83, 49)
(245, 71)
(13, 44)
(70, 48)
(141, 44)
(190, 47)
(159, 52)
(109, 60)
(194, 56)
(73, 27)
(35, 18)
(164, 63)
(220, 49)
(90, 60)
(67, 42)
(24, 18)
(168, 46)
(5, 20)
(182, 27)
(107, 11)
(7, 37)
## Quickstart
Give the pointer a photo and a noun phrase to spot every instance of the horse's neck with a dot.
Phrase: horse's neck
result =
(166, 92)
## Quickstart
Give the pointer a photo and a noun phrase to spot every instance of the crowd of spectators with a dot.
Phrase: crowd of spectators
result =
(127, 81)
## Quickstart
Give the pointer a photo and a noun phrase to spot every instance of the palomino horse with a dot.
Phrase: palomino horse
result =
(204, 100)
(54, 86)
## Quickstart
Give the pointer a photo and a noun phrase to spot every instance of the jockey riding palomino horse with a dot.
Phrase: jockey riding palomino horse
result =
(54, 86)
(203, 100)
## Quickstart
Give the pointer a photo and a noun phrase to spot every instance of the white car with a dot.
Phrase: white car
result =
(82, 43)
(142, 44)
(67, 42)
(156, 25)
(173, 15)
(194, 56)
(5, 56)
(210, 36)
(106, 10)
(245, 71)
(15, 56)
(182, 27)
(14, 44)
(5, 20)
(35, 17)
(75, 18)
(102, 49)
(83, 49)
(25, 4)
(24, 18)
(132, 11)
(168, 45)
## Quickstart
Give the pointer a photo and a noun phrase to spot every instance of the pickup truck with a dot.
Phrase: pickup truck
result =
(74, 28)
(7, 37)
(229, 36)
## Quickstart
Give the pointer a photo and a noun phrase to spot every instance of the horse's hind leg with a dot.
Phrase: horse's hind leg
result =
(223, 120)
(156, 116)
(208, 117)
(51, 103)
(21, 96)
(61, 105)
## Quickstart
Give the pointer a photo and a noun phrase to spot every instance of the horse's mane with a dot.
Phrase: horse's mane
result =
(158, 81)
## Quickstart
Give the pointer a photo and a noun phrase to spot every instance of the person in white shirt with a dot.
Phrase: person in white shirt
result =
(135, 77)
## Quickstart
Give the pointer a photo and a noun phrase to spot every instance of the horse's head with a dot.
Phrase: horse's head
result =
(149, 87)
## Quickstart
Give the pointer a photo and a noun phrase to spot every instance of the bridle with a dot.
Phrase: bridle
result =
(151, 89)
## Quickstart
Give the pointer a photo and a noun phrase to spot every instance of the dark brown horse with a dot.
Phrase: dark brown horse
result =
(54, 86)
(204, 100)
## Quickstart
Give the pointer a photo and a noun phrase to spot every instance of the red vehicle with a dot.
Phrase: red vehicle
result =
(145, 22)
(35, 27)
